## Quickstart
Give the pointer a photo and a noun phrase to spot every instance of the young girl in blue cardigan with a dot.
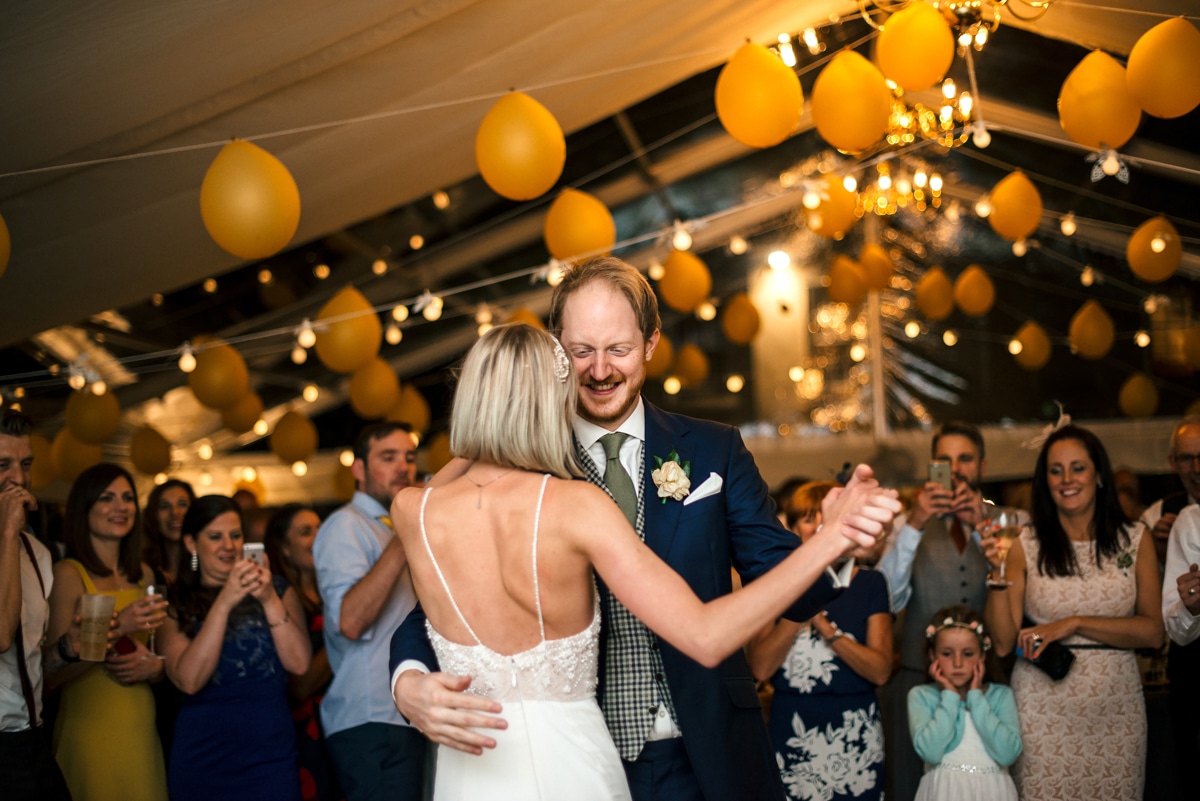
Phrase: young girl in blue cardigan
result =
(965, 729)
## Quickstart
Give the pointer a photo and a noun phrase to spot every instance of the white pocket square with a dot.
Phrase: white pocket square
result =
(711, 486)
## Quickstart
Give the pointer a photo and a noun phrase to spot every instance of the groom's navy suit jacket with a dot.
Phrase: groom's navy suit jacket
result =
(718, 709)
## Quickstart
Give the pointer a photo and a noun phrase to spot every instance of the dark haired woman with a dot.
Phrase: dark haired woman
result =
(230, 639)
(289, 542)
(161, 526)
(1083, 577)
(105, 739)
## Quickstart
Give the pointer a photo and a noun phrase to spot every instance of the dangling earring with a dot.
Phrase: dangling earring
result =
(195, 562)
(1099, 482)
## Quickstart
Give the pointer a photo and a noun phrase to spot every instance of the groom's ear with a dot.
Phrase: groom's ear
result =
(651, 344)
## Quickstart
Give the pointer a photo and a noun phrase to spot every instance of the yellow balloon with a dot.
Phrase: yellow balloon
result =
(740, 319)
(249, 201)
(412, 408)
(344, 483)
(71, 457)
(519, 148)
(847, 281)
(1035, 346)
(524, 315)
(241, 416)
(664, 356)
(935, 295)
(349, 343)
(915, 47)
(1138, 396)
(5, 246)
(221, 378)
(149, 451)
(877, 265)
(758, 97)
(686, 281)
(439, 452)
(851, 103)
(41, 475)
(837, 212)
(294, 438)
(374, 389)
(256, 488)
(1016, 207)
(974, 292)
(1095, 107)
(578, 224)
(1163, 72)
(1091, 331)
(93, 419)
(1145, 263)
(691, 365)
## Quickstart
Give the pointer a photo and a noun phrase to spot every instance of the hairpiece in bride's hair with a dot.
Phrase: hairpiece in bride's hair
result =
(1036, 443)
(562, 365)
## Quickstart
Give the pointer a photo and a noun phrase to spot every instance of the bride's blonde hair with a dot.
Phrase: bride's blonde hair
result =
(513, 404)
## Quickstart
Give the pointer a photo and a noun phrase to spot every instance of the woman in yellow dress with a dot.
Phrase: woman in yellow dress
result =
(105, 738)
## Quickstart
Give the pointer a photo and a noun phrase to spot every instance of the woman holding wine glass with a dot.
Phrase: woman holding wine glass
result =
(105, 738)
(1084, 577)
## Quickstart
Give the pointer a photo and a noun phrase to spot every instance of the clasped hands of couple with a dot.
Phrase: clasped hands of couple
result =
(855, 518)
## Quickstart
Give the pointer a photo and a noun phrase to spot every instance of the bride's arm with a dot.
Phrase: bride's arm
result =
(661, 599)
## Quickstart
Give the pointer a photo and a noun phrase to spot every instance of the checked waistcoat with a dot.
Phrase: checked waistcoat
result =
(633, 668)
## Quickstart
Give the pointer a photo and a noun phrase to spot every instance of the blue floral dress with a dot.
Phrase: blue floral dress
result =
(234, 740)
(825, 722)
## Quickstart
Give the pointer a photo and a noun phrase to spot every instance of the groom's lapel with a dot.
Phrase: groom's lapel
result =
(663, 434)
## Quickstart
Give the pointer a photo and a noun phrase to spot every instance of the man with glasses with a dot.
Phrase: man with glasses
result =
(1184, 457)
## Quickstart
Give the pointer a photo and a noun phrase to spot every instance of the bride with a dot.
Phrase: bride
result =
(502, 547)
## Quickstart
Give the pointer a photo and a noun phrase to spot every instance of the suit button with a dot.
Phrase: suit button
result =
(654, 710)
(964, 583)
(962, 568)
(658, 677)
(964, 601)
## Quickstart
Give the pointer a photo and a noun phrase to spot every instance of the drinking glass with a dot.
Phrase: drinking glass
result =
(152, 590)
(95, 613)
(1004, 523)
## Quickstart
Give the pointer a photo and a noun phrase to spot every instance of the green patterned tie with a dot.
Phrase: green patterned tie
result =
(620, 486)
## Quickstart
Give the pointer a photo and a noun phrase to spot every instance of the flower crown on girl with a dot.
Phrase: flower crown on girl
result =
(931, 631)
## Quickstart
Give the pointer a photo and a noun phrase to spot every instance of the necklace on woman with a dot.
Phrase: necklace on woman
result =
(479, 499)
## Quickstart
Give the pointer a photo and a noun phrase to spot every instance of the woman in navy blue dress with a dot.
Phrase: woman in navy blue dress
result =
(824, 720)
(231, 638)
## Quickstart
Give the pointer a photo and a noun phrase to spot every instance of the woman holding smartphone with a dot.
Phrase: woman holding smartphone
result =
(231, 637)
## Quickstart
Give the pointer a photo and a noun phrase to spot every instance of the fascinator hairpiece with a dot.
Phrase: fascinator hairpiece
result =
(1036, 443)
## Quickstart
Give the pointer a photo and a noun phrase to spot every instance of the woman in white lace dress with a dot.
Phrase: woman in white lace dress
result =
(502, 546)
(1085, 578)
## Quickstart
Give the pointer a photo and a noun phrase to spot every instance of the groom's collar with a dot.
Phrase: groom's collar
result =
(588, 433)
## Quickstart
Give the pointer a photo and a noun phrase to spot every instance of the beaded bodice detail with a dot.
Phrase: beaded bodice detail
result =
(562, 669)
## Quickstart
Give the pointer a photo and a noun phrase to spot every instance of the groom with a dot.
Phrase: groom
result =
(683, 731)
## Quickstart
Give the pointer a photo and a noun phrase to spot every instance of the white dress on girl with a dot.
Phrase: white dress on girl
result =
(967, 773)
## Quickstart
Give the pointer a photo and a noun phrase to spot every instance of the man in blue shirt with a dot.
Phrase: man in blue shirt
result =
(367, 593)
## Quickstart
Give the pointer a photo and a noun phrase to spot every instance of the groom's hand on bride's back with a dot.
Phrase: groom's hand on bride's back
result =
(437, 705)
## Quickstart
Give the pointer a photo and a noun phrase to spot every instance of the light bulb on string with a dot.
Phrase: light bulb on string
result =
(400, 313)
(935, 183)
(981, 138)
(681, 239)
(1088, 276)
(1067, 225)
(912, 329)
(484, 328)
(210, 285)
(656, 271)
(433, 310)
(1111, 163)
(858, 352)
(1158, 244)
(983, 207)
(321, 272)
(950, 337)
(206, 479)
(264, 277)
(735, 383)
(554, 273)
(346, 457)
(1141, 339)
(483, 314)
(811, 198)
(205, 451)
(187, 359)
(379, 267)
(393, 334)
(249, 475)
(949, 90)
(779, 260)
(310, 393)
(99, 387)
(441, 200)
(299, 469)
(299, 355)
(920, 179)
(1020, 248)
(76, 381)
(416, 241)
(672, 385)
(811, 41)
(160, 479)
(706, 311)
(305, 336)
(19, 393)
(850, 183)
(260, 427)
(786, 51)
(738, 245)
(1015, 347)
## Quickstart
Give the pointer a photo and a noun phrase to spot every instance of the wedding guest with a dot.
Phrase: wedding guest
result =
(1183, 455)
(1181, 614)
(165, 507)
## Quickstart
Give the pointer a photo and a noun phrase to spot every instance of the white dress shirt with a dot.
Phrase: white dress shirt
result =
(1183, 550)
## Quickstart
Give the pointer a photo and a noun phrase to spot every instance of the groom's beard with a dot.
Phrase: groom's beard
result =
(614, 407)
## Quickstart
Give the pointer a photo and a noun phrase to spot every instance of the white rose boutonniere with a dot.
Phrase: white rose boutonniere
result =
(672, 477)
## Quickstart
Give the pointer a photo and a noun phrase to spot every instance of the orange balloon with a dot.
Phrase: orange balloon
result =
(1016, 207)
(1035, 346)
(915, 47)
(686, 281)
(1091, 331)
(524, 315)
(837, 212)
(93, 419)
(1095, 107)
(412, 408)
(1138, 396)
(691, 365)
(256, 488)
(935, 295)
(5, 246)
(740, 319)
(1163, 67)
(578, 224)
(71, 457)
(344, 483)
(346, 344)
(847, 281)
(149, 451)
(851, 103)
(1144, 261)
(249, 201)
(877, 265)
(519, 148)
(294, 438)
(664, 356)
(758, 97)
(439, 454)
(221, 377)
(41, 475)
(374, 389)
(974, 292)
(241, 416)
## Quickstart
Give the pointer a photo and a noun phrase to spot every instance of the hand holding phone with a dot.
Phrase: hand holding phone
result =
(939, 473)
(254, 551)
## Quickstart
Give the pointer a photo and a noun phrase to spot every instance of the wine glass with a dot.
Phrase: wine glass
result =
(152, 590)
(1003, 523)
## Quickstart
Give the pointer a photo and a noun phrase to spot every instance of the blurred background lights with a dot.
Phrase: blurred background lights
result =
(672, 385)
(779, 260)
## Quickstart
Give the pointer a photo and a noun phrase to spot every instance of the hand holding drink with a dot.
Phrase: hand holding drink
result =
(96, 613)
(999, 531)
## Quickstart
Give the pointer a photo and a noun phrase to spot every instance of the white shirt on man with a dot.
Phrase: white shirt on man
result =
(35, 617)
(1183, 550)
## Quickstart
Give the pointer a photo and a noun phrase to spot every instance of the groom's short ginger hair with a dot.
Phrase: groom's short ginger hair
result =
(623, 277)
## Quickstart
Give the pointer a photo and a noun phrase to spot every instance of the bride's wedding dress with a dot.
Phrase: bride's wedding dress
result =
(557, 745)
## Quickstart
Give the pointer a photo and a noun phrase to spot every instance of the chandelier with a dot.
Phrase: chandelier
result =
(896, 188)
(973, 21)
(947, 125)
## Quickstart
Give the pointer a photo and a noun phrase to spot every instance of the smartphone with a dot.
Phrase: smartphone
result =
(939, 473)
(254, 552)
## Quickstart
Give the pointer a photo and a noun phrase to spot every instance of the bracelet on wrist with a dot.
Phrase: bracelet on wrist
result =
(63, 644)
(285, 619)
(836, 635)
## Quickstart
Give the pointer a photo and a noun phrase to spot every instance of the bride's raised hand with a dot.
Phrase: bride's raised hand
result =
(861, 511)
